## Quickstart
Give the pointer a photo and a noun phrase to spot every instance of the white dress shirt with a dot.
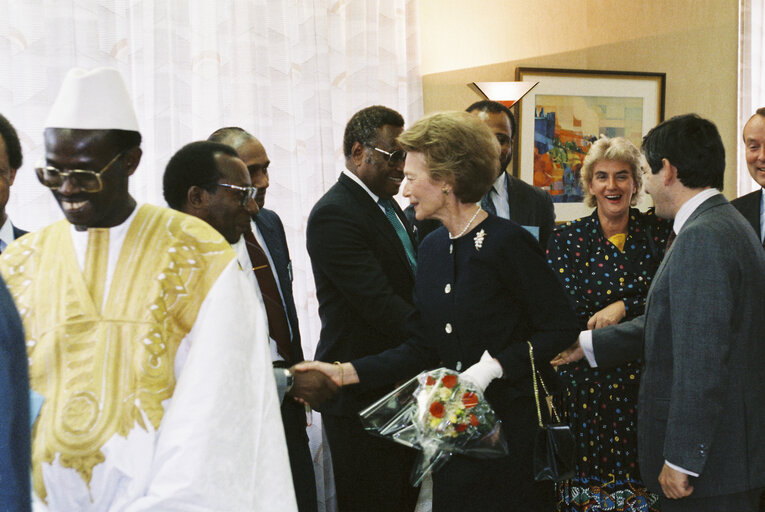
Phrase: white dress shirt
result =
(6, 234)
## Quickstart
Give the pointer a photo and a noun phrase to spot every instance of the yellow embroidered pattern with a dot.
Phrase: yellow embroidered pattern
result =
(103, 370)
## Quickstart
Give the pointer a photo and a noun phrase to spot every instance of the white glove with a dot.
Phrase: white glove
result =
(484, 371)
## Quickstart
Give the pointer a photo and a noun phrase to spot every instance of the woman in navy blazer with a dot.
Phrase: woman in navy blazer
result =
(482, 286)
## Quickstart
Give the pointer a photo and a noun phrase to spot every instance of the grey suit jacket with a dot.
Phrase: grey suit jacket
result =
(702, 339)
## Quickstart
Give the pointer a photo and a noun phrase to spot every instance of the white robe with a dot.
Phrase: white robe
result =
(220, 445)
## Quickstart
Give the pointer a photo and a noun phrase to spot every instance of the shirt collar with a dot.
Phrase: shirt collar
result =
(500, 184)
(6, 233)
(355, 178)
(690, 206)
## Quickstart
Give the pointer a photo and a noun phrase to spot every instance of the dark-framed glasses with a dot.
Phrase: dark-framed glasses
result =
(88, 181)
(248, 193)
(394, 158)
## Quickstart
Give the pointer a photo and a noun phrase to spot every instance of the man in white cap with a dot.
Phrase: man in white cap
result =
(142, 334)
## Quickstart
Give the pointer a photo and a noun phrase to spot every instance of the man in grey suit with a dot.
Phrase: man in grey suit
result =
(700, 414)
(752, 205)
(509, 197)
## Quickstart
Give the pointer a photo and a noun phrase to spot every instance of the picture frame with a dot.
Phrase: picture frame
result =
(569, 109)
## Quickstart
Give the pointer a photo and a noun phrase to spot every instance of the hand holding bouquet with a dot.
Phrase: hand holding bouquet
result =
(439, 413)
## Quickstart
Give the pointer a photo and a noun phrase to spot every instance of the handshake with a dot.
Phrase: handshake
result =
(314, 382)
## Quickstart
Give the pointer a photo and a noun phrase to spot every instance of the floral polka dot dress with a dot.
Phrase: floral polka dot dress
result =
(600, 405)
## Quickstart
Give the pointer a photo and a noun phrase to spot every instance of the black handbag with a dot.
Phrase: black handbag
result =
(553, 442)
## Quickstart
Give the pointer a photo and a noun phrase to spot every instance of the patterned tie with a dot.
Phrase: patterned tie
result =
(487, 203)
(96, 261)
(400, 231)
(278, 328)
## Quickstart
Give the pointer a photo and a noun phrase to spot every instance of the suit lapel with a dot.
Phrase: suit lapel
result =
(381, 223)
(751, 211)
(712, 202)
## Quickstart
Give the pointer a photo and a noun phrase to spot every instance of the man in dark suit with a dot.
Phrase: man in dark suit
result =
(228, 205)
(10, 161)
(509, 197)
(14, 409)
(700, 416)
(752, 205)
(362, 252)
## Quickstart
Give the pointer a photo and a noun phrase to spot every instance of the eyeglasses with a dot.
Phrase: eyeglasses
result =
(248, 193)
(88, 181)
(394, 158)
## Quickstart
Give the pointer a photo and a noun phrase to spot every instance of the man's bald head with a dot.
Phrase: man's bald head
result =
(252, 153)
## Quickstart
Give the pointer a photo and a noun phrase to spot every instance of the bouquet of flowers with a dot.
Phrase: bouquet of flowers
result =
(440, 414)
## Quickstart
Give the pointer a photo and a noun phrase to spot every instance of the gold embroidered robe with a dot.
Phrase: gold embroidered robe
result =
(107, 367)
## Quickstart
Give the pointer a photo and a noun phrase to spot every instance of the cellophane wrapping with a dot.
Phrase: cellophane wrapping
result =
(440, 414)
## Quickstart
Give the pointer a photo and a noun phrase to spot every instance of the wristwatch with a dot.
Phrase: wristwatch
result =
(289, 379)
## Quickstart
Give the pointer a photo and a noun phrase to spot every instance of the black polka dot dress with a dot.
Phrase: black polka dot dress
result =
(600, 405)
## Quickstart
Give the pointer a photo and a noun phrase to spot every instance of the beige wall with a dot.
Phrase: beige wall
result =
(693, 41)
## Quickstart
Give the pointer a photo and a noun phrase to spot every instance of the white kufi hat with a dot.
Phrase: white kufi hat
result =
(93, 100)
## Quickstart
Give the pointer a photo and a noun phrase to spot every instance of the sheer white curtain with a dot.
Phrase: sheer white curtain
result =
(289, 71)
(751, 83)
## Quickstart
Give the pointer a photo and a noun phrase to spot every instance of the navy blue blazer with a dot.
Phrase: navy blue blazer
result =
(473, 296)
(15, 447)
(272, 230)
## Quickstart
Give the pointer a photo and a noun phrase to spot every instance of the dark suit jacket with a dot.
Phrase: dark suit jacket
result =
(363, 283)
(749, 206)
(15, 445)
(272, 229)
(17, 232)
(529, 206)
(701, 338)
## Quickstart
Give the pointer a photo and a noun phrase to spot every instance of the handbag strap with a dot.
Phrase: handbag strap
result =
(534, 376)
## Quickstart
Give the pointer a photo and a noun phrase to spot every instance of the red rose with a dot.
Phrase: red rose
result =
(474, 420)
(430, 381)
(437, 409)
(461, 427)
(469, 400)
(449, 381)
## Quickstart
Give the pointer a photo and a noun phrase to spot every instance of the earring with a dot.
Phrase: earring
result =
(445, 190)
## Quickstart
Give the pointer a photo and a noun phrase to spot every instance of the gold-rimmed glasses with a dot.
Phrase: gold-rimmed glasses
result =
(88, 181)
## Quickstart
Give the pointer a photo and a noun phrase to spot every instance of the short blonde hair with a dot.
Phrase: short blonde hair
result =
(459, 148)
(616, 149)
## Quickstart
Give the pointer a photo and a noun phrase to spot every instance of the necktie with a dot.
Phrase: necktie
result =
(670, 241)
(390, 213)
(487, 203)
(96, 260)
(278, 327)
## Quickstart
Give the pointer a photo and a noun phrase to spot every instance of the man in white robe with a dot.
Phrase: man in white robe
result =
(143, 335)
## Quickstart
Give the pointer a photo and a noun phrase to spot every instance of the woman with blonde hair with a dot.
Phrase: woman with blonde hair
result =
(483, 289)
(606, 262)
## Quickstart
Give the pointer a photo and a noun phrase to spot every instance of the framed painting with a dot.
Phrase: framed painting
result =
(567, 112)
